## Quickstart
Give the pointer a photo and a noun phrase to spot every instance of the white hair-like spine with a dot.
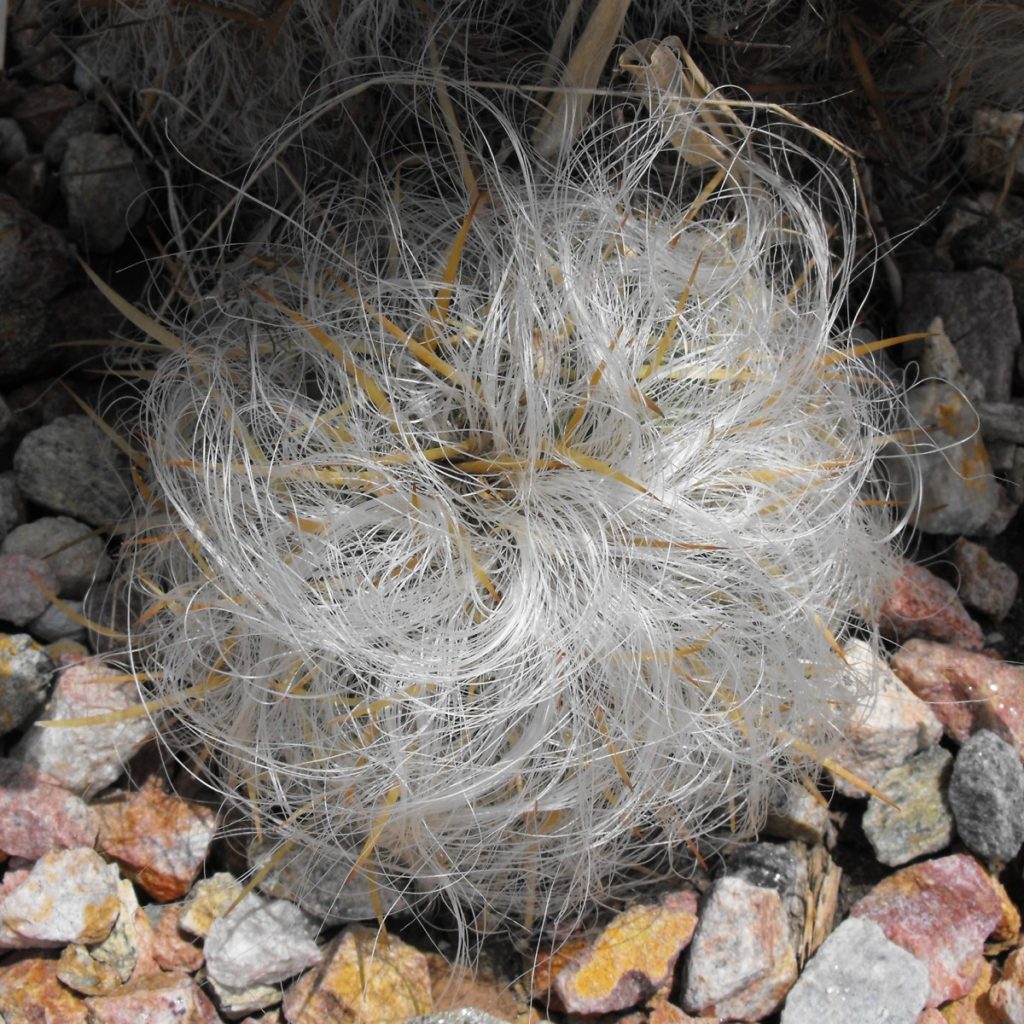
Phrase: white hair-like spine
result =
(504, 532)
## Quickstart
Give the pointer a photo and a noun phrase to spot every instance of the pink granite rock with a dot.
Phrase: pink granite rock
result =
(632, 958)
(37, 815)
(966, 691)
(986, 584)
(922, 605)
(89, 757)
(941, 911)
(897, 725)
(741, 963)
(155, 999)
(31, 992)
(68, 896)
(169, 946)
(160, 839)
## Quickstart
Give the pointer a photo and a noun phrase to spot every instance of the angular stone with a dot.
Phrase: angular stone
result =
(455, 987)
(56, 624)
(632, 958)
(69, 466)
(857, 976)
(68, 896)
(37, 815)
(169, 947)
(986, 795)
(22, 583)
(922, 605)
(103, 188)
(979, 316)
(795, 813)
(26, 671)
(161, 840)
(75, 553)
(102, 968)
(941, 911)
(155, 999)
(966, 691)
(209, 899)
(36, 265)
(921, 821)
(1006, 996)
(366, 978)
(893, 727)
(986, 584)
(87, 758)
(31, 993)
(741, 962)
(254, 947)
(975, 1007)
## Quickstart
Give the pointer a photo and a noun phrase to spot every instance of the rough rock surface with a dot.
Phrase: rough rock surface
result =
(72, 550)
(922, 605)
(25, 675)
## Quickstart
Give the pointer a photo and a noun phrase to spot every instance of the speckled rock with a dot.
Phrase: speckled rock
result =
(86, 117)
(37, 816)
(922, 605)
(254, 947)
(155, 999)
(463, 1016)
(70, 466)
(25, 675)
(75, 553)
(1006, 996)
(34, 37)
(941, 911)
(978, 314)
(894, 727)
(159, 839)
(56, 624)
(103, 188)
(991, 145)
(966, 691)
(363, 980)
(986, 795)
(24, 582)
(986, 584)
(632, 958)
(921, 821)
(31, 993)
(36, 265)
(858, 976)
(87, 758)
(68, 896)
(454, 986)
(106, 966)
(741, 963)
(973, 1008)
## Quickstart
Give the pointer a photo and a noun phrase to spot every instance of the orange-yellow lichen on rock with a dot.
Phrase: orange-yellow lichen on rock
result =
(30, 990)
(974, 1008)
(368, 979)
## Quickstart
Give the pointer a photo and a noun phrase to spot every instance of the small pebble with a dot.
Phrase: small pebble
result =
(154, 999)
(42, 108)
(69, 466)
(779, 866)
(895, 725)
(986, 584)
(24, 583)
(990, 145)
(941, 911)
(56, 624)
(794, 813)
(921, 822)
(633, 957)
(363, 980)
(1006, 996)
(858, 976)
(254, 947)
(87, 117)
(741, 962)
(26, 672)
(87, 758)
(12, 504)
(68, 896)
(37, 816)
(103, 190)
(966, 691)
(170, 947)
(31, 992)
(986, 794)
(36, 265)
(922, 605)
(13, 146)
(75, 553)
(464, 1016)
(160, 839)
(209, 899)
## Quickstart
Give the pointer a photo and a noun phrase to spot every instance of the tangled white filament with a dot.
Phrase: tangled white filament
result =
(503, 532)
